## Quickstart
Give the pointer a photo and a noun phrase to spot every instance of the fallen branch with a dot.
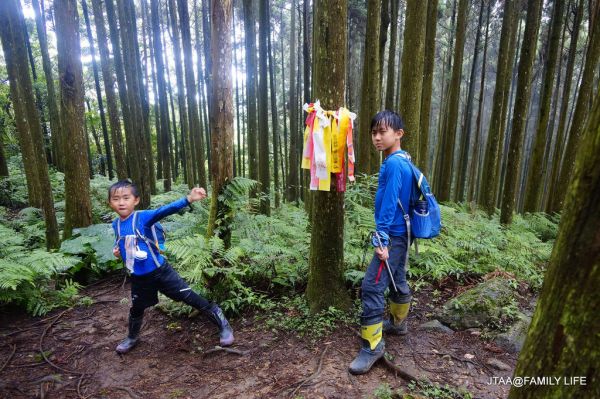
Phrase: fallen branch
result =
(48, 327)
(399, 371)
(12, 353)
(129, 391)
(227, 350)
(312, 376)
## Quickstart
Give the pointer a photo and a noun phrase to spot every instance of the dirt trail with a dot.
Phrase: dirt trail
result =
(172, 359)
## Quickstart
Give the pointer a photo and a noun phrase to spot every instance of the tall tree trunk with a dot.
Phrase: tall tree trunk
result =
(190, 82)
(488, 184)
(293, 181)
(535, 178)
(391, 82)
(475, 167)
(274, 118)
(383, 30)
(238, 129)
(580, 112)
(109, 162)
(78, 207)
(250, 41)
(465, 149)
(174, 147)
(55, 128)
(162, 95)
(186, 148)
(27, 118)
(263, 111)
(207, 63)
(109, 83)
(306, 50)
(3, 163)
(562, 339)
(89, 120)
(131, 159)
(411, 87)
(326, 262)
(428, 67)
(449, 133)
(47, 146)
(368, 157)
(221, 114)
(136, 139)
(528, 49)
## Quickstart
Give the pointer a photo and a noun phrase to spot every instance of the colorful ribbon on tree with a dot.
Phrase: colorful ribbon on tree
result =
(326, 136)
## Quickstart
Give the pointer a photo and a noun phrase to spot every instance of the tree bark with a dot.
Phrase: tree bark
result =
(162, 95)
(109, 162)
(136, 138)
(465, 149)
(562, 340)
(293, 181)
(111, 99)
(27, 119)
(475, 166)
(186, 151)
(368, 157)
(449, 133)
(490, 160)
(521, 106)
(55, 128)
(326, 262)
(391, 81)
(425, 112)
(190, 82)
(535, 178)
(221, 115)
(78, 208)
(131, 163)
(411, 87)
(250, 41)
(264, 176)
(274, 118)
(579, 114)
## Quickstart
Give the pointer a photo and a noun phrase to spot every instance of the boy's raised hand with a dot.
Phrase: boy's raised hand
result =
(196, 194)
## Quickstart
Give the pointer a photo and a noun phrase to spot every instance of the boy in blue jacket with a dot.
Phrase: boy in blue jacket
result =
(150, 272)
(395, 183)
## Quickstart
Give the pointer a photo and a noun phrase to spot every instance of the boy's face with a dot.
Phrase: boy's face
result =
(123, 201)
(385, 138)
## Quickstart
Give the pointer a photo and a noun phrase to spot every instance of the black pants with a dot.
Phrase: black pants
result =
(145, 289)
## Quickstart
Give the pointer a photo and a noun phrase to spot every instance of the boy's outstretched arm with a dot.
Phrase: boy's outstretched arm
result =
(195, 194)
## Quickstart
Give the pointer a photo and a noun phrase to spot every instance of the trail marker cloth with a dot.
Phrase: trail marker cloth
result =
(326, 136)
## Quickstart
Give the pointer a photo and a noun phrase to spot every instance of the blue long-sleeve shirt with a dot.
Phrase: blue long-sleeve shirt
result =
(395, 181)
(144, 222)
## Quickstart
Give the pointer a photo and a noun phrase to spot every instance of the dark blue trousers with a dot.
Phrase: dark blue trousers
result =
(377, 279)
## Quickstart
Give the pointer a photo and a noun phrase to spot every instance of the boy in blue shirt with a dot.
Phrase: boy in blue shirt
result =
(150, 272)
(395, 183)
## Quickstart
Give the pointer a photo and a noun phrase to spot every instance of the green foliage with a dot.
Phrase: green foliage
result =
(473, 244)
(29, 277)
(428, 389)
(94, 244)
(293, 315)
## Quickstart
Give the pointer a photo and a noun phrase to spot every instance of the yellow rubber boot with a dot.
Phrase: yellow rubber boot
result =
(397, 323)
(373, 348)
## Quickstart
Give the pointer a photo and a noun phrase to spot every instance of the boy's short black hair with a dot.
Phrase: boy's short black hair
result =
(387, 118)
(123, 184)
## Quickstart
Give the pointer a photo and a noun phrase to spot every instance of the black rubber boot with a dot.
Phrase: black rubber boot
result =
(366, 358)
(372, 349)
(397, 324)
(216, 315)
(135, 325)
